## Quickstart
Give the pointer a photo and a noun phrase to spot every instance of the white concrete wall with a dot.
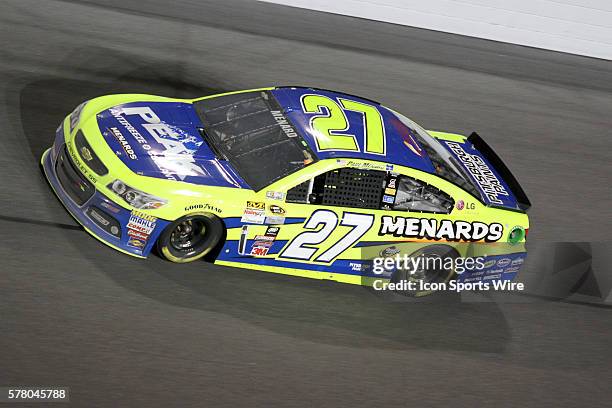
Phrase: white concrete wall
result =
(581, 27)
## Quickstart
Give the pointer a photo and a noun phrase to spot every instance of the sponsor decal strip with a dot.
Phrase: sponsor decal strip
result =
(139, 228)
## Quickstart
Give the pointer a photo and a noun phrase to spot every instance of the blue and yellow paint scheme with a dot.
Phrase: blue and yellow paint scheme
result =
(127, 166)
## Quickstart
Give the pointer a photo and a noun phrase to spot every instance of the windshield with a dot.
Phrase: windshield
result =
(251, 131)
(441, 158)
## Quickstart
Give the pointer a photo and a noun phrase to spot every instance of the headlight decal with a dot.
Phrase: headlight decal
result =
(136, 198)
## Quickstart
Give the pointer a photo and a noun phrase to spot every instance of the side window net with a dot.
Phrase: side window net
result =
(299, 193)
(355, 188)
(416, 195)
(346, 187)
(372, 189)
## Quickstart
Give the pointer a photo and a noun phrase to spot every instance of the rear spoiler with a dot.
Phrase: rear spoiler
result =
(480, 145)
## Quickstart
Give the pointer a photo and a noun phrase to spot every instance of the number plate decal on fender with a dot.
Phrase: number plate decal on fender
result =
(305, 245)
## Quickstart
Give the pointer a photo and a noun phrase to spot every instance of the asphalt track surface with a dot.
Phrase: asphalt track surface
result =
(126, 332)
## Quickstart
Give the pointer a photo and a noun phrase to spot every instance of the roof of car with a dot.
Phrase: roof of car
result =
(400, 145)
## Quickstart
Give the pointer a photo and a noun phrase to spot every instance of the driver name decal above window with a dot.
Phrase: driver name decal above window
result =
(283, 123)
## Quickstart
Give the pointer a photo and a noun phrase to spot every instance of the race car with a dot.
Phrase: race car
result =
(293, 180)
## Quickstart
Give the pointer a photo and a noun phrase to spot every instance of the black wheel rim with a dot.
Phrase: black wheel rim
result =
(424, 274)
(188, 236)
(433, 275)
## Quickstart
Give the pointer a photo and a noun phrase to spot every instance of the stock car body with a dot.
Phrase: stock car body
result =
(292, 180)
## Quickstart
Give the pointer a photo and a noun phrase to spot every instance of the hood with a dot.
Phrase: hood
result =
(488, 173)
(162, 140)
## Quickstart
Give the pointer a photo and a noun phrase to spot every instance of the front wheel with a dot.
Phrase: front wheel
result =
(190, 237)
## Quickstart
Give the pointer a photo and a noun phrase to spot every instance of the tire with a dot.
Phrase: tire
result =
(433, 275)
(190, 237)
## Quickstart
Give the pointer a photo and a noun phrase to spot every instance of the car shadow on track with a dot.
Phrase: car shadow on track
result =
(45, 101)
(319, 311)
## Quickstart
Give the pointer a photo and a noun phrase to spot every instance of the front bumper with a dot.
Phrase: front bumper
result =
(107, 221)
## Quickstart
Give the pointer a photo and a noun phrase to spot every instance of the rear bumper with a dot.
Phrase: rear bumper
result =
(100, 216)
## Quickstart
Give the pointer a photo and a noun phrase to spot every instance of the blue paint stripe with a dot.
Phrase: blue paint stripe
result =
(234, 222)
(229, 253)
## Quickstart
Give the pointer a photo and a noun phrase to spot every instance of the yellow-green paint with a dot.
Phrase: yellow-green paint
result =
(232, 201)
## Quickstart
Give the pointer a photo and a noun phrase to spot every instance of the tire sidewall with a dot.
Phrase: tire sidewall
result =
(441, 250)
(213, 235)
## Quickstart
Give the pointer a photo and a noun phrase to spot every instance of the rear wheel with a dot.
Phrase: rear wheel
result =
(190, 237)
(435, 270)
